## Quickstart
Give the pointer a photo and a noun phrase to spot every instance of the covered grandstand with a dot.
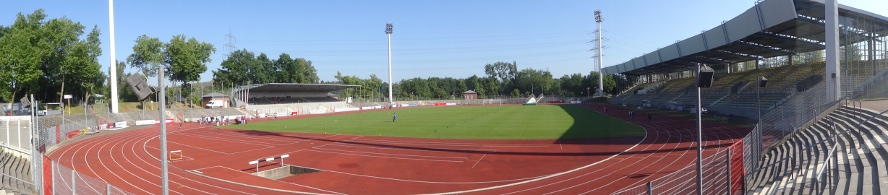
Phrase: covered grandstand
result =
(283, 93)
(783, 41)
(287, 98)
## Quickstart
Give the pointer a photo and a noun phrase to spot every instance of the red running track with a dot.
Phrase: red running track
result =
(216, 161)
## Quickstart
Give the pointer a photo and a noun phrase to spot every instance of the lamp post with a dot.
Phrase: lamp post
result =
(388, 31)
(704, 80)
(161, 98)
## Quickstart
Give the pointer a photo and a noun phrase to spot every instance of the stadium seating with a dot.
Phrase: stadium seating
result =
(733, 93)
(861, 169)
(288, 100)
(16, 174)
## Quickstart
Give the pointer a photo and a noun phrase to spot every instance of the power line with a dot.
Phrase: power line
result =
(428, 39)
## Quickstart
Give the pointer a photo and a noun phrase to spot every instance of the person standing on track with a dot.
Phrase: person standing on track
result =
(394, 117)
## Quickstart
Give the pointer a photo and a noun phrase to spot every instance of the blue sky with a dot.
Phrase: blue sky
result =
(453, 38)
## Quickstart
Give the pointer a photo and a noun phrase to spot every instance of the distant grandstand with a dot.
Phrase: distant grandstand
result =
(285, 93)
(783, 41)
(289, 98)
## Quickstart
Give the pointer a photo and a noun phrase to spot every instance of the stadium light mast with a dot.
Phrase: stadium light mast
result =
(598, 20)
(388, 31)
(113, 68)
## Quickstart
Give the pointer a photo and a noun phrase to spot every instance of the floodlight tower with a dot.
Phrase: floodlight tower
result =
(388, 31)
(598, 20)
(113, 68)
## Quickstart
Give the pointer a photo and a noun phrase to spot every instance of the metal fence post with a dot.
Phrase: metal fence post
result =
(650, 186)
(54, 171)
(829, 179)
(728, 161)
(73, 183)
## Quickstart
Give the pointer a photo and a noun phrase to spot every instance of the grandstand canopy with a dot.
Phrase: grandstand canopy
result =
(770, 28)
(298, 87)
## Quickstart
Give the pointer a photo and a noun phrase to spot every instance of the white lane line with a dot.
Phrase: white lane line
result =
(550, 175)
(402, 158)
(479, 160)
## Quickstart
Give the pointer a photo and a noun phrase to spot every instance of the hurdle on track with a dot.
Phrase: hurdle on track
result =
(176, 155)
(269, 159)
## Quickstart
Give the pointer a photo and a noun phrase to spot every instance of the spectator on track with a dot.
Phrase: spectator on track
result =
(649, 117)
(605, 109)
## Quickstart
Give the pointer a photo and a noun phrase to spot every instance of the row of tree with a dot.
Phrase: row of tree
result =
(183, 59)
(502, 80)
(52, 58)
(48, 58)
(243, 67)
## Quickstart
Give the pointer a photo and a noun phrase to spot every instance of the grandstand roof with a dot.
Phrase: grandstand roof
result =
(298, 87)
(215, 94)
(768, 29)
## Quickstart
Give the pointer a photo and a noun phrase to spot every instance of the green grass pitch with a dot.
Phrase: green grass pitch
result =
(464, 122)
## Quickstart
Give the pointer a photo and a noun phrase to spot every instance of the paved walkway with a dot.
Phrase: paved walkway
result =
(877, 105)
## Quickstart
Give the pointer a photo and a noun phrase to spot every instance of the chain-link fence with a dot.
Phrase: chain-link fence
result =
(875, 87)
(15, 133)
(68, 181)
(797, 111)
(722, 173)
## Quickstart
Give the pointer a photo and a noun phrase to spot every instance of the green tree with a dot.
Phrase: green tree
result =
(83, 62)
(147, 55)
(59, 38)
(609, 84)
(533, 81)
(307, 72)
(21, 54)
(372, 86)
(503, 71)
(516, 93)
(573, 84)
(187, 60)
(262, 69)
(234, 69)
(284, 69)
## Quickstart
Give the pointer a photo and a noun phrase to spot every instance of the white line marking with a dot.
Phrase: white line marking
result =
(550, 175)
(390, 154)
(479, 160)
(314, 150)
